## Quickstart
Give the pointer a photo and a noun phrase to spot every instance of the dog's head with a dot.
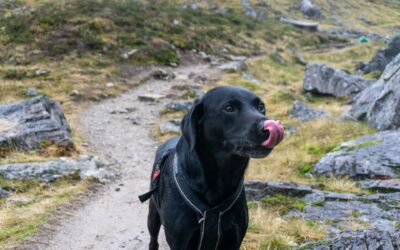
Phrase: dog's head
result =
(231, 119)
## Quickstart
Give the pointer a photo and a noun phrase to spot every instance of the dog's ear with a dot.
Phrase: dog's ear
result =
(190, 123)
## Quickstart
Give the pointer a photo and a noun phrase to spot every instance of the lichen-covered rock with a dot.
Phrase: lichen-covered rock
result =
(383, 56)
(370, 156)
(389, 185)
(50, 171)
(359, 240)
(309, 9)
(379, 104)
(322, 79)
(304, 113)
(26, 125)
(256, 190)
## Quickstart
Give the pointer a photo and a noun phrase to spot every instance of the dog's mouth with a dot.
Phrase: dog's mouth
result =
(250, 151)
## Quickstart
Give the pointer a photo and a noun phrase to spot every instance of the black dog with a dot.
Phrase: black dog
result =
(197, 180)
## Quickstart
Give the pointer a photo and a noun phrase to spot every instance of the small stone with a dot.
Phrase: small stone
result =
(31, 92)
(21, 200)
(74, 92)
(42, 72)
(179, 106)
(4, 193)
(250, 77)
(150, 98)
(233, 66)
(172, 126)
(117, 189)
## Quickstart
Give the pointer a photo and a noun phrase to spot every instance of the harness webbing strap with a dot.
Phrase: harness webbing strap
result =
(211, 217)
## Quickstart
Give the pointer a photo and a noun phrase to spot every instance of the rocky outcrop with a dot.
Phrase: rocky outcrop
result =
(383, 57)
(371, 156)
(322, 79)
(304, 113)
(300, 24)
(50, 171)
(309, 9)
(390, 185)
(379, 104)
(378, 211)
(256, 190)
(26, 125)
(359, 240)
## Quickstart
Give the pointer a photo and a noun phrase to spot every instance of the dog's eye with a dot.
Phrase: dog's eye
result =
(229, 108)
(261, 108)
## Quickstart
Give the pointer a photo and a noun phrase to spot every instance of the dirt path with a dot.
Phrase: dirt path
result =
(116, 219)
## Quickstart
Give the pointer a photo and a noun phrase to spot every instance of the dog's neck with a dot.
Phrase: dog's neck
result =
(214, 174)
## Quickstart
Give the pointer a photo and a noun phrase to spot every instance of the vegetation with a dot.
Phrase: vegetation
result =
(85, 44)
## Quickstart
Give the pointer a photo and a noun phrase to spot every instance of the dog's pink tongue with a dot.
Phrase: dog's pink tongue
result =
(276, 133)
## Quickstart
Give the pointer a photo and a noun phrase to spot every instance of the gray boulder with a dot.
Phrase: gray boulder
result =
(304, 113)
(383, 56)
(50, 171)
(309, 9)
(322, 79)
(371, 156)
(379, 104)
(26, 125)
(372, 239)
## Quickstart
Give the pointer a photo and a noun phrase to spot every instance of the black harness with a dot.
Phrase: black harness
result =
(210, 218)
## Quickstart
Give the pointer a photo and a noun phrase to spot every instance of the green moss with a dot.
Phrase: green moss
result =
(285, 203)
(318, 204)
(356, 214)
(374, 74)
(358, 146)
(305, 168)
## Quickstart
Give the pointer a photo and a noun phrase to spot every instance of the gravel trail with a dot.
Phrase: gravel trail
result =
(114, 218)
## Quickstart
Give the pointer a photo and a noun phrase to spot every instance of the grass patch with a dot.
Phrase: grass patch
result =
(358, 146)
(19, 221)
(283, 203)
(269, 230)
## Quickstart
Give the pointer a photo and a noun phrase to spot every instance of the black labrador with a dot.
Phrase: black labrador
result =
(197, 189)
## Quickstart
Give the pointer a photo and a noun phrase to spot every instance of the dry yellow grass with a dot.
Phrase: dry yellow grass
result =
(268, 229)
(18, 221)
